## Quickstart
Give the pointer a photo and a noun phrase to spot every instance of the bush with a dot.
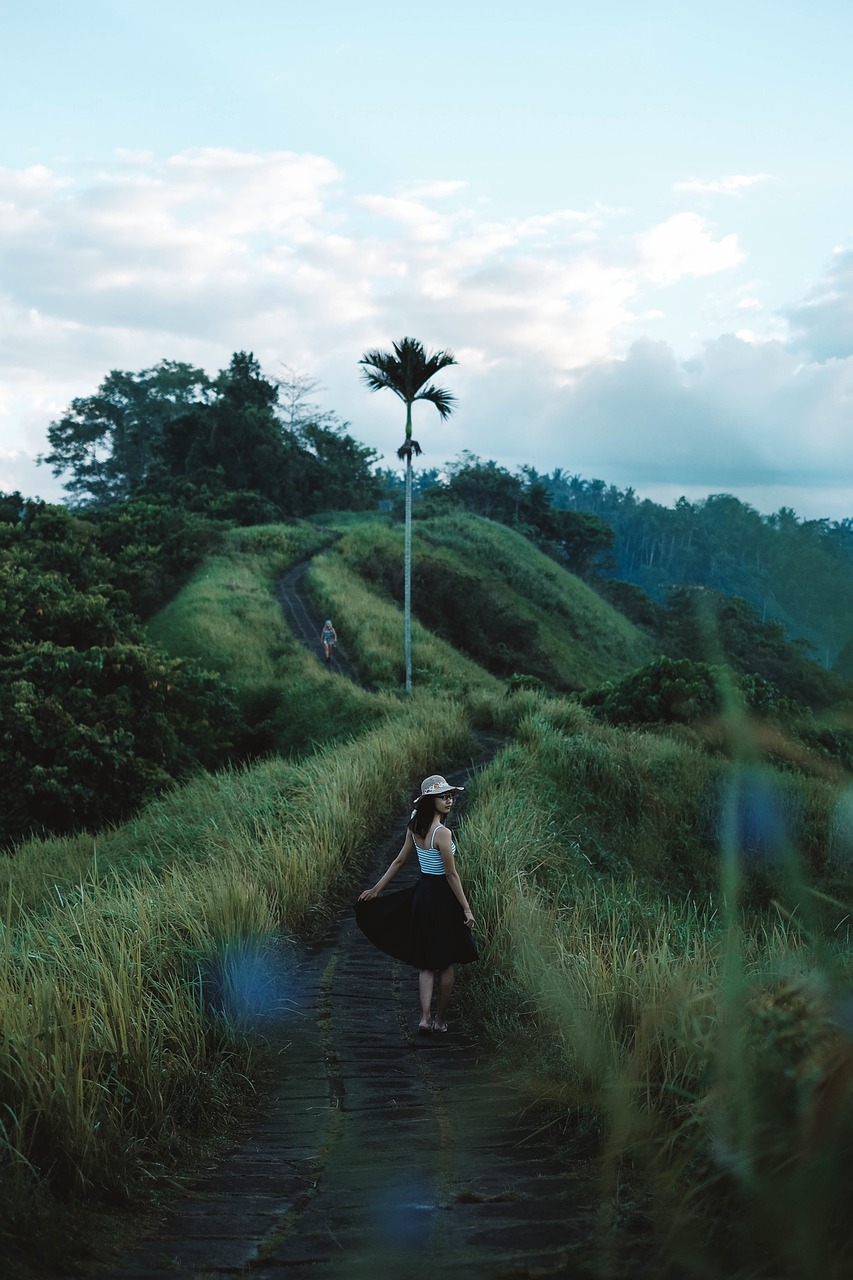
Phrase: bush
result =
(678, 691)
(87, 735)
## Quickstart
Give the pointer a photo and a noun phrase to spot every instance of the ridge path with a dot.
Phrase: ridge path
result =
(376, 1151)
(301, 616)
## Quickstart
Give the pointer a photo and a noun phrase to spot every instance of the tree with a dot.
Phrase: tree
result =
(238, 434)
(110, 442)
(487, 489)
(336, 470)
(407, 373)
(296, 407)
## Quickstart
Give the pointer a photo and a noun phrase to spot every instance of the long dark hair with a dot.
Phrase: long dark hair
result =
(423, 815)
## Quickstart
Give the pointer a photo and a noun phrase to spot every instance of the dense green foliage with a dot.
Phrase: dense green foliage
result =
(673, 691)
(89, 733)
(221, 445)
(94, 720)
(799, 572)
(699, 622)
(703, 625)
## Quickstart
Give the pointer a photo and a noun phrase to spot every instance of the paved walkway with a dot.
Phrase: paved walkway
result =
(378, 1151)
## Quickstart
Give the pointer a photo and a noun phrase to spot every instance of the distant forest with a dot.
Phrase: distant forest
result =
(798, 573)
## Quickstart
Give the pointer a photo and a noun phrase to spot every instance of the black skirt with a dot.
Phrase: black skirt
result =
(423, 926)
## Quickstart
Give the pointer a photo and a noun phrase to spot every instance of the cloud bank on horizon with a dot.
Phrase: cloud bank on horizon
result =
(569, 325)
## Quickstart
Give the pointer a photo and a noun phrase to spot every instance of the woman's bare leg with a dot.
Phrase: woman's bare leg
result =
(426, 982)
(445, 986)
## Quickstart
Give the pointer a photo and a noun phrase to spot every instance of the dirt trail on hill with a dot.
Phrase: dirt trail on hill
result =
(306, 624)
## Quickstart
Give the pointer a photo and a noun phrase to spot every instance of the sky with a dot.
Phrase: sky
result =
(631, 223)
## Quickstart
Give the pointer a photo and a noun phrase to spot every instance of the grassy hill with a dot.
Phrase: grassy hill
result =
(665, 929)
(487, 591)
(487, 605)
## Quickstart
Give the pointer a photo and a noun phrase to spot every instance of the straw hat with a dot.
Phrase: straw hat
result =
(435, 785)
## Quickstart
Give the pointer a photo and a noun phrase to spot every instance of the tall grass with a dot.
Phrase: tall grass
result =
(711, 1041)
(228, 618)
(372, 629)
(120, 998)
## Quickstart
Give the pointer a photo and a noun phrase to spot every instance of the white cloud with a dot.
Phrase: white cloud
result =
(684, 245)
(214, 250)
(421, 222)
(733, 185)
(737, 413)
(431, 190)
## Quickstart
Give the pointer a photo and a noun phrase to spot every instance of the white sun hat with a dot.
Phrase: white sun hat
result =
(435, 785)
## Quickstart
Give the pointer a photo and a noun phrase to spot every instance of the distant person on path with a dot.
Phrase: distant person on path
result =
(428, 925)
(328, 637)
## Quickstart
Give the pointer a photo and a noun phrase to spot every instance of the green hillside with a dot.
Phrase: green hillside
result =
(488, 605)
(490, 593)
(664, 924)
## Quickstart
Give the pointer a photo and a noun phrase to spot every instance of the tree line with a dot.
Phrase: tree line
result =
(797, 572)
(239, 446)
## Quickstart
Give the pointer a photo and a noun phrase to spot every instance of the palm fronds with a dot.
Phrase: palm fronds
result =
(443, 400)
(406, 371)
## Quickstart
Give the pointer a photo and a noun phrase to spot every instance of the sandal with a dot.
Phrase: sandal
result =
(439, 1026)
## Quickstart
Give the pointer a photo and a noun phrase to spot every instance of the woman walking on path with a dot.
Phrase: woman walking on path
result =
(428, 925)
(328, 637)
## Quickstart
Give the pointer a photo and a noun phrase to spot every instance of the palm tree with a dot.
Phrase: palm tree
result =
(407, 373)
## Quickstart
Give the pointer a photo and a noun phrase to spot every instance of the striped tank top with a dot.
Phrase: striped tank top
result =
(430, 859)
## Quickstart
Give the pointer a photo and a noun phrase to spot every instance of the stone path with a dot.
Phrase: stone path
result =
(379, 1151)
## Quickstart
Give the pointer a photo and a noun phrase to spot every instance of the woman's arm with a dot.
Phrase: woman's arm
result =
(399, 862)
(443, 842)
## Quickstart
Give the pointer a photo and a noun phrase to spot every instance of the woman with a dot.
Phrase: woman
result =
(328, 636)
(429, 925)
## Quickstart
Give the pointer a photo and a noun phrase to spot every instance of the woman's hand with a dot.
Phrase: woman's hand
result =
(469, 919)
(368, 895)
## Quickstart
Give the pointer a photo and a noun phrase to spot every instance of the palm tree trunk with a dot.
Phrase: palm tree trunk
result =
(407, 581)
(407, 571)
